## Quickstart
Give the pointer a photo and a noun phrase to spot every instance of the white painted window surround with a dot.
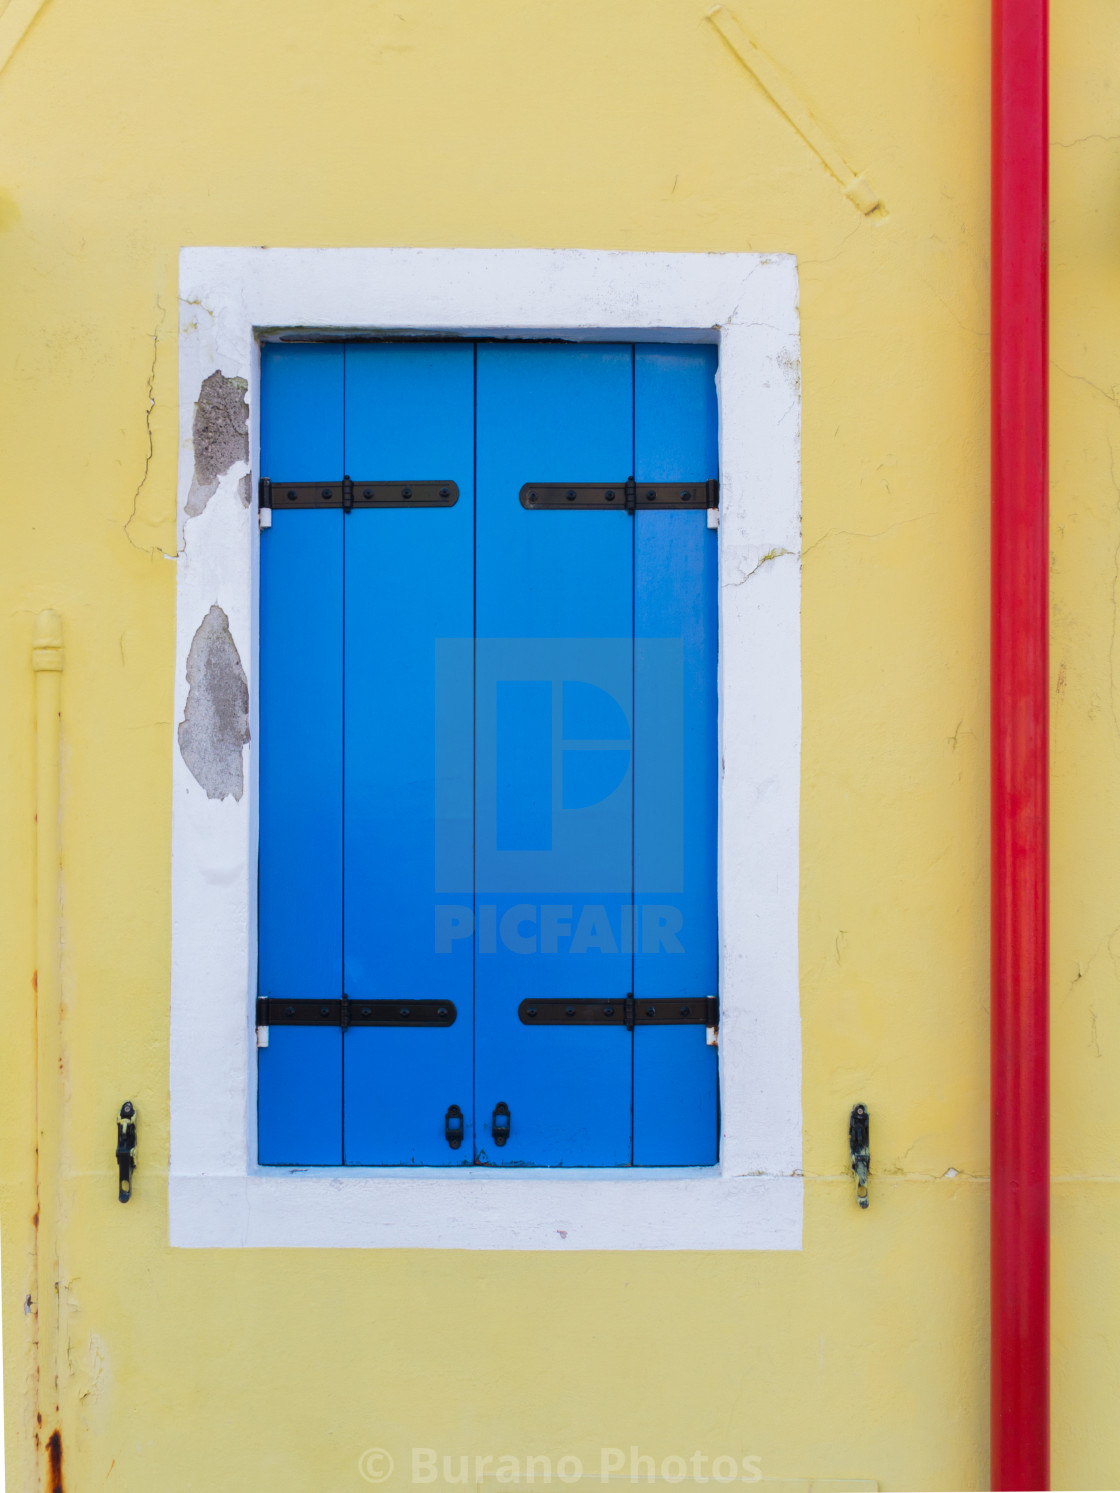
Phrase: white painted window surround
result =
(232, 299)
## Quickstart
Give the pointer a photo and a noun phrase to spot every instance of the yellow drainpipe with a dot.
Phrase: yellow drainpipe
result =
(46, 661)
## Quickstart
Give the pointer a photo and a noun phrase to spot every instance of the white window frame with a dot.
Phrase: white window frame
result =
(230, 300)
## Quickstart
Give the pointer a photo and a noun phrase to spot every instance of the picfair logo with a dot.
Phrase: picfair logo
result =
(548, 753)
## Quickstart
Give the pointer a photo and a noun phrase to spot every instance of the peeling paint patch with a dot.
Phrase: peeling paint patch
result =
(215, 725)
(220, 434)
(90, 1376)
(245, 491)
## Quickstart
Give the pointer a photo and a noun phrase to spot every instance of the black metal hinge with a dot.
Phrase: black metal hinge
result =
(627, 1012)
(347, 1012)
(631, 496)
(347, 495)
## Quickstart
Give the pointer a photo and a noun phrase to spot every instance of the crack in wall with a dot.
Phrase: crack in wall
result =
(1080, 378)
(1083, 969)
(857, 534)
(1084, 139)
(151, 404)
(771, 555)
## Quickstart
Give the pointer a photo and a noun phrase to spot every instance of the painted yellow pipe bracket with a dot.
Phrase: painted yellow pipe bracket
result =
(16, 21)
(856, 187)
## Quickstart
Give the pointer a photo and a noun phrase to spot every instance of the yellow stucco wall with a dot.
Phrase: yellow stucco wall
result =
(127, 130)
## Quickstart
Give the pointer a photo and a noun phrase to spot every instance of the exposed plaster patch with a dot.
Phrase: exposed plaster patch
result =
(215, 726)
(245, 491)
(220, 434)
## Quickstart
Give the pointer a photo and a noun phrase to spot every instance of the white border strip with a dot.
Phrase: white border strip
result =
(219, 1197)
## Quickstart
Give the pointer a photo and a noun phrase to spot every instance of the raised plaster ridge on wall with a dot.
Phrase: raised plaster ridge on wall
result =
(219, 1197)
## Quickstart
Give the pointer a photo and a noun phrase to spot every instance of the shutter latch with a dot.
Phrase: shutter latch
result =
(126, 1150)
(453, 1126)
(859, 1143)
(500, 1122)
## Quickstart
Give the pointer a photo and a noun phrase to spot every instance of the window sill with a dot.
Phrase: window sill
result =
(487, 1208)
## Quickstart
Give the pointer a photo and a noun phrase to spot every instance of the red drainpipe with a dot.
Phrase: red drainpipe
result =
(1020, 1245)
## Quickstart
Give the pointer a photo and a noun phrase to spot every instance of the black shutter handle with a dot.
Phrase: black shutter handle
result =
(453, 1126)
(500, 1123)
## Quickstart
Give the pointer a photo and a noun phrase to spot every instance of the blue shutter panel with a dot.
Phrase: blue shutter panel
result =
(299, 1094)
(555, 608)
(409, 589)
(675, 793)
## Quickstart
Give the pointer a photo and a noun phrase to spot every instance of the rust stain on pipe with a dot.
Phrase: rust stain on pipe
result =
(54, 1463)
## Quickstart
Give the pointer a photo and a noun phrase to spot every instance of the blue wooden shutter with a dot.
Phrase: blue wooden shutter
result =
(492, 722)
(555, 610)
(409, 582)
(299, 1110)
(676, 758)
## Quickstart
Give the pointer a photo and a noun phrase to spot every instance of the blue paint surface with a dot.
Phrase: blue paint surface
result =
(409, 581)
(300, 756)
(555, 588)
(487, 736)
(676, 1119)
(523, 764)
